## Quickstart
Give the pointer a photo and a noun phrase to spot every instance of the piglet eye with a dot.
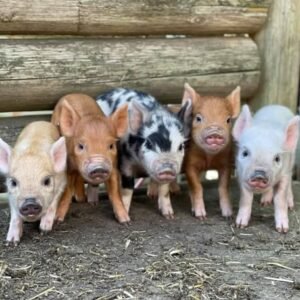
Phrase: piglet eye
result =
(181, 147)
(245, 153)
(46, 181)
(277, 158)
(228, 121)
(111, 146)
(80, 146)
(148, 145)
(198, 118)
(13, 182)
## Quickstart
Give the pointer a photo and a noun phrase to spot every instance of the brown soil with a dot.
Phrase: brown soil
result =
(91, 256)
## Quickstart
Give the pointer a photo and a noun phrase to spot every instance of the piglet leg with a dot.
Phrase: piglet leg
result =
(225, 204)
(281, 206)
(127, 191)
(64, 204)
(79, 191)
(290, 196)
(152, 189)
(113, 189)
(48, 218)
(15, 230)
(174, 187)
(267, 198)
(92, 194)
(196, 193)
(244, 213)
(164, 201)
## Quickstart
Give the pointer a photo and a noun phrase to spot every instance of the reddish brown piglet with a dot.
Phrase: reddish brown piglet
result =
(92, 151)
(210, 146)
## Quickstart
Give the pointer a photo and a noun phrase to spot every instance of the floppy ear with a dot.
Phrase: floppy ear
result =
(234, 99)
(5, 153)
(137, 114)
(58, 154)
(120, 120)
(189, 94)
(243, 121)
(292, 134)
(186, 116)
(68, 119)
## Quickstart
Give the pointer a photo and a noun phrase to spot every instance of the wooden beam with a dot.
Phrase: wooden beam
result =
(132, 17)
(34, 74)
(279, 46)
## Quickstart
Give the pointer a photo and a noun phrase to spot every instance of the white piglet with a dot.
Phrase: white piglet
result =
(266, 154)
(36, 177)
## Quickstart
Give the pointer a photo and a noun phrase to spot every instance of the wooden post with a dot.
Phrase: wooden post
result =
(279, 46)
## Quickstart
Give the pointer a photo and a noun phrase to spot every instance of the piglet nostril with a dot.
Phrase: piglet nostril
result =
(99, 172)
(259, 179)
(30, 207)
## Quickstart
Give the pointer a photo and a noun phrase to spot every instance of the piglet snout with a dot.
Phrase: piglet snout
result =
(259, 179)
(166, 172)
(215, 139)
(30, 207)
(99, 172)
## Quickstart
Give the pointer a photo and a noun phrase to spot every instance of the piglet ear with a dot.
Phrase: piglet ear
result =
(243, 121)
(185, 116)
(234, 99)
(189, 94)
(120, 120)
(58, 154)
(137, 114)
(68, 119)
(292, 134)
(5, 153)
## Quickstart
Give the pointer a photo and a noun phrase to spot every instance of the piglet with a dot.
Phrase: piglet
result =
(210, 145)
(154, 144)
(92, 151)
(264, 162)
(36, 177)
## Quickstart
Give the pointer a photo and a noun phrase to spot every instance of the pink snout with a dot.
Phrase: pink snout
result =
(97, 169)
(30, 208)
(99, 173)
(259, 180)
(215, 140)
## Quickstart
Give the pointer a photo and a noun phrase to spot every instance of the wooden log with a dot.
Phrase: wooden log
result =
(132, 17)
(34, 74)
(279, 45)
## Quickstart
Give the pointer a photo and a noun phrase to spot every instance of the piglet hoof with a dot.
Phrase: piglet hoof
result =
(265, 202)
(200, 214)
(93, 202)
(226, 212)
(169, 216)
(59, 219)
(44, 232)
(80, 199)
(12, 243)
(282, 229)
(123, 217)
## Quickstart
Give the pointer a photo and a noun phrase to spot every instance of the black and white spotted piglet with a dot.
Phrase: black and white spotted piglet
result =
(153, 145)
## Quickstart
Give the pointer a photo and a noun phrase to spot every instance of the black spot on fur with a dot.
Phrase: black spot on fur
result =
(161, 139)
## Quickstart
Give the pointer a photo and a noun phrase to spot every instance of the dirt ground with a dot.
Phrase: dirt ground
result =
(91, 256)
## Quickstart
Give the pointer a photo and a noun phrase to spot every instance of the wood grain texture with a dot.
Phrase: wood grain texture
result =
(279, 46)
(34, 74)
(132, 17)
